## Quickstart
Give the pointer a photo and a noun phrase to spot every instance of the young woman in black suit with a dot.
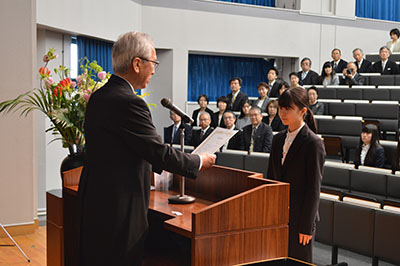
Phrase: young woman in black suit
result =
(369, 152)
(297, 157)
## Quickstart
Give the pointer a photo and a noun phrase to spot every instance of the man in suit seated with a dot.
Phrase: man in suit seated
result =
(273, 82)
(236, 97)
(363, 65)
(172, 134)
(257, 137)
(198, 136)
(351, 76)
(306, 75)
(338, 63)
(235, 143)
(385, 66)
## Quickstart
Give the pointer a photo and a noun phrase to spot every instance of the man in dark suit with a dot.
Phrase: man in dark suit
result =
(351, 77)
(363, 65)
(306, 75)
(235, 143)
(273, 83)
(172, 134)
(257, 137)
(122, 148)
(385, 66)
(236, 97)
(199, 135)
(338, 63)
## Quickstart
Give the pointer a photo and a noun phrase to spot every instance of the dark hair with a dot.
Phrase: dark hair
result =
(223, 99)
(336, 49)
(370, 157)
(385, 47)
(293, 73)
(298, 96)
(274, 69)
(313, 88)
(395, 162)
(230, 112)
(241, 108)
(395, 31)
(283, 83)
(263, 84)
(236, 78)
(304, 59)
(202, 95)
(326, 65)
(273, 102)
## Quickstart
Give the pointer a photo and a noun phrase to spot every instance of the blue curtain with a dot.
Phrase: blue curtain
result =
(210, 75)
(253, 2)
(95, 50)
(378, 9)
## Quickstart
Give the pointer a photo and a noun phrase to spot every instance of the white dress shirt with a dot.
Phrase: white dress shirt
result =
(290, 137)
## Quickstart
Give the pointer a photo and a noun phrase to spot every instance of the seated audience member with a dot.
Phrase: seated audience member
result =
(222, 104)
(172, 134)
(202, 100)
(236, 97)
(235, 143)
(316, 107)
(294, 80)
(273, 82)
(385, 66)
(201, 134)
(244, 117)
(363, 65)
(394, 44)
(257, 137)
(351, 76)
(262, 100)
(282, 87)
(338, 63)
(306, 75)
(369, 152)
(328, 75)
(273, 119)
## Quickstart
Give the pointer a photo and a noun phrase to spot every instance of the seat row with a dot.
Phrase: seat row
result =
(370, 93)
(359, 226)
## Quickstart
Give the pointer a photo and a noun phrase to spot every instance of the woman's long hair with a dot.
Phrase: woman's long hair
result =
(370, 157)
(241, 108)
(298, 96)
(326, 65)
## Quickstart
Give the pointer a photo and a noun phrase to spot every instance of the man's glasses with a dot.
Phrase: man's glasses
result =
(155, 63)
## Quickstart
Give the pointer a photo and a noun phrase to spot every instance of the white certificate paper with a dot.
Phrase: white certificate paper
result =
(215, 140)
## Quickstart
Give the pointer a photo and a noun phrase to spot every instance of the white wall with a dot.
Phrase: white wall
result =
(18, 175)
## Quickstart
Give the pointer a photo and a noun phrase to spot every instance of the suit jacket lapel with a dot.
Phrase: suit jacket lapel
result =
(297, 143)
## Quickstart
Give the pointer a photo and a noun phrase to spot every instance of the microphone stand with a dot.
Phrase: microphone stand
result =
(182, 198)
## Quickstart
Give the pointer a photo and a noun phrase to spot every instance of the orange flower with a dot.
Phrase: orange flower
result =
(57, 91)
(65, 83)
(44, 71)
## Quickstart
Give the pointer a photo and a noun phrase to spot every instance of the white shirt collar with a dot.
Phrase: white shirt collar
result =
(205, 130)
(177, 125)
(272, 83)
(235, 94)
(294, 133)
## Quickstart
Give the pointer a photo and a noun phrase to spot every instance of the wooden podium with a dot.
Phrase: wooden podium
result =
(237, 217)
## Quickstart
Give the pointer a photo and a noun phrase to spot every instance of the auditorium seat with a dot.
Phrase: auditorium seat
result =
(393, 188)
(353, 228)
(324, 230)
(336, 177)
(327, 93)
(376, 94)
(349, 93)
(231, 158)
(397, 80)
(334, 147)
(387, 236)
(381, 80)
(341, 108)
(257, 162)
(386, 113)
(390, 148)
(369, 183)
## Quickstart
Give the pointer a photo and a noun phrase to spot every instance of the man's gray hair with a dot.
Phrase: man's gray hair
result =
(128, 46)
(385, 47)
(359, 49)
(256, 108)
(205, 113)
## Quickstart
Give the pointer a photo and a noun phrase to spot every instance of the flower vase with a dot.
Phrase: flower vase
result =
(74, 159)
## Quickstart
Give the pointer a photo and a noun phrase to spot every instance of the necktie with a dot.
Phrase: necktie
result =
(253, 134)
(201, 134)
(334, 65)
(174, 133)
(303, 75)
(383, 66)
(233, 99)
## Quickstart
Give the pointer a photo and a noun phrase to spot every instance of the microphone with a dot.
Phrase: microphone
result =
(167, 103)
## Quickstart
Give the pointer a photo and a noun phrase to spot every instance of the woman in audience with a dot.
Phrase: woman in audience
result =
(297, 157)
(262, 101)
(244, 118)
(222, 104)
(282, 87)
(328, 76)
(394, 44)
(316, 107)
(294, 80)
(273, 119)
(203, 102)
(369, 152)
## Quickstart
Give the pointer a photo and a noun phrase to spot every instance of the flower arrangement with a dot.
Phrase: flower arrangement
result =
(63, 102)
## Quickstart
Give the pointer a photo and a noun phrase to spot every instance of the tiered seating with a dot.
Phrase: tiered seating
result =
(370, 93)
